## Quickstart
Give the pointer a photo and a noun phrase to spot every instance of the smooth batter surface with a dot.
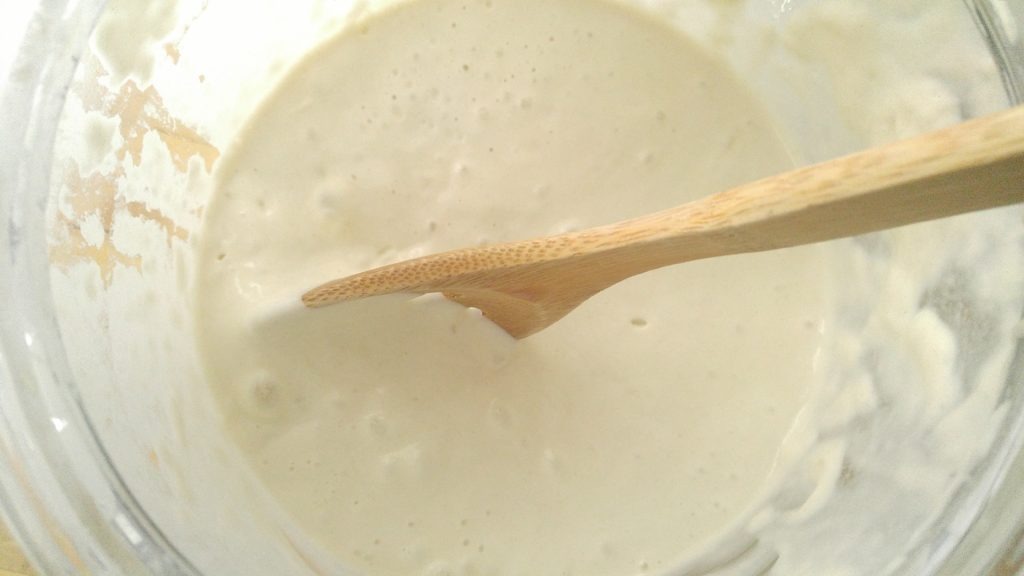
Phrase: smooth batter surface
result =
(414, 437)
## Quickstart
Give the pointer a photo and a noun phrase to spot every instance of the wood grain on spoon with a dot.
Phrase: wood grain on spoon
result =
(526, 286)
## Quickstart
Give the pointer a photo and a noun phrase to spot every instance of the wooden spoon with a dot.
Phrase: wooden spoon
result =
(526, 286)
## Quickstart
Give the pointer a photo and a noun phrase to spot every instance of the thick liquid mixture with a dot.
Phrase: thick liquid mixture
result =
(410, 436)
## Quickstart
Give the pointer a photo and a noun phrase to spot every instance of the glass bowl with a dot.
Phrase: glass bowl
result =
(109, 463)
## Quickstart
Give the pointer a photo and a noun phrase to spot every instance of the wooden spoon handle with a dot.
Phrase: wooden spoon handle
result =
(971, 166)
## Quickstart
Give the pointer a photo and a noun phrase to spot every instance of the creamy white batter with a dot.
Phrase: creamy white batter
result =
(414, 437)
